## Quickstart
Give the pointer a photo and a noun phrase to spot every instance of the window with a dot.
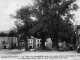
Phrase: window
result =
(38, 41)
(29, 43)
(31, 40)
(38, 45)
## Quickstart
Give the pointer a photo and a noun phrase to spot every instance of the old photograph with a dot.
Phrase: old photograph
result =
(45, 29)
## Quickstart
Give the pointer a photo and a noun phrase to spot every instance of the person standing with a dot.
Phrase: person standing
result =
(19, 46)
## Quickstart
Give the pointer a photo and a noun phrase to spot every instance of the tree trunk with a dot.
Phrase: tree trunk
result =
(26, 45)
(43, 43)
(12, 42)
(55, 44)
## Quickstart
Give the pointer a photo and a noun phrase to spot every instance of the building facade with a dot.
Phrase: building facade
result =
(33, 42)
(78, 35)
(5, 42)
(48, 43)
(36, 42)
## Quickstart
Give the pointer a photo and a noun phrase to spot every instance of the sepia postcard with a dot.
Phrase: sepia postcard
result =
(39, 30)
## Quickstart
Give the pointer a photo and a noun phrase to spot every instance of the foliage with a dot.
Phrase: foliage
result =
(53, 19)
(23, 23)
(2, 34)
(12, 33)
(54, 16)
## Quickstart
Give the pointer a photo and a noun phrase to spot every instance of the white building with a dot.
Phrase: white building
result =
(33, 42)
(48, 43)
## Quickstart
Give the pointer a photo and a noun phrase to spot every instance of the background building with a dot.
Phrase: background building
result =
(48, 43)
(6, 42)
(33, 42)
(78, 35)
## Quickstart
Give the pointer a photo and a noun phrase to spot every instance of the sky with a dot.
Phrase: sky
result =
(8, 7)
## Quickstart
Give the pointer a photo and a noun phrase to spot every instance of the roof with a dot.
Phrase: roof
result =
(78, 26)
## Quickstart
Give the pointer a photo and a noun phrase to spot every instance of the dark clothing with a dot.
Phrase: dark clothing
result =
(19, 47)
(4, 47)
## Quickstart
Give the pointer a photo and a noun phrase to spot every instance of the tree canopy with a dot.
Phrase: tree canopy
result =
(53, 19)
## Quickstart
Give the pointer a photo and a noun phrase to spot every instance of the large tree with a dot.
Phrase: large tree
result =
(23, 23)
(54, 20)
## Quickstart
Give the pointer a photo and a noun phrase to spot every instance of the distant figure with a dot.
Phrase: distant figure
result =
(19, 46)
(4, 47)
